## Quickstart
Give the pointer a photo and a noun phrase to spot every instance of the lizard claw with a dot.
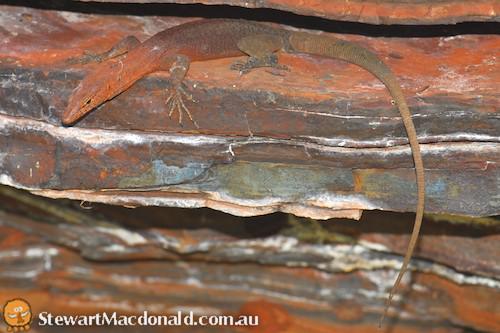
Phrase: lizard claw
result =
(241, 66)
(175, 102)
(252, 62)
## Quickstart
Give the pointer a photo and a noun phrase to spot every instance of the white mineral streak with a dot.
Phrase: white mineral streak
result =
(346, 258)
(317, 206)
(129, 237)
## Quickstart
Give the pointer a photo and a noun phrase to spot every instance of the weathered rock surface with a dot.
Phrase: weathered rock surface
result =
(321, 140)
(313, 277)
(366, 11)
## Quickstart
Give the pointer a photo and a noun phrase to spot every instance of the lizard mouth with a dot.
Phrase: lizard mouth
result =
(88, 96)
(71, 115)
(80, 103)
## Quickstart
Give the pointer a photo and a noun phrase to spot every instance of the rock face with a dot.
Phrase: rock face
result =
(296, 275)
(367, 11)
(321, 140)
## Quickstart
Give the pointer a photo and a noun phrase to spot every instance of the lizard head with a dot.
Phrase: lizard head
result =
(89, 94)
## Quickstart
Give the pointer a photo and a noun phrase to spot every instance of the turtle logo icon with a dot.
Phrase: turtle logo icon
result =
(17, 315)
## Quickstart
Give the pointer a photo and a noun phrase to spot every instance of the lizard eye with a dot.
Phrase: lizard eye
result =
(87, 102)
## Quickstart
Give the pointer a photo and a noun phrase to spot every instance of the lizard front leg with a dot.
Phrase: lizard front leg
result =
(175, 101)
(123, 46)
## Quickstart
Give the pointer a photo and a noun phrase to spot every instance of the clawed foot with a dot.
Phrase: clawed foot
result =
(252, 62)
(241, 66)
(86, 58)
(175, 102)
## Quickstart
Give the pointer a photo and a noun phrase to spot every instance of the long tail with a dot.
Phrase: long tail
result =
(339, 49)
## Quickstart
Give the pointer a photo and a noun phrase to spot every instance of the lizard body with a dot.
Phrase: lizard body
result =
(173, 49)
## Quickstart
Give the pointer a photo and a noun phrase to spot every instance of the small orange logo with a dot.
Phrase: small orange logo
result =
(17, 315)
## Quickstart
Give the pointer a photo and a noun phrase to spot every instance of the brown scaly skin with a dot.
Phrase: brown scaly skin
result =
(173, 49)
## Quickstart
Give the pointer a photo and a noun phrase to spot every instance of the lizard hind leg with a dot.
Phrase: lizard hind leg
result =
(261, 51)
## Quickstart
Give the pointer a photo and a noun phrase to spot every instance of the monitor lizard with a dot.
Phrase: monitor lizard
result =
(173, 49)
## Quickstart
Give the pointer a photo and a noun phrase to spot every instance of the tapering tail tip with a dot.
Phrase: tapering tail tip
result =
(381, 321)
(388, 302)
